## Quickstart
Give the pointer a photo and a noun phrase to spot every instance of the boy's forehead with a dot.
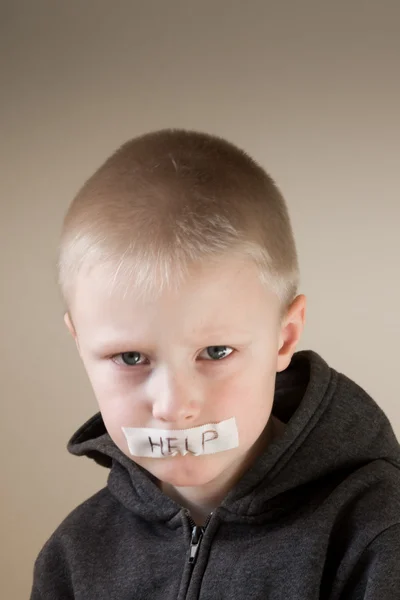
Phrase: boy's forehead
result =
(199, 317)
(218, 298)
(106, 329)
(116, 283)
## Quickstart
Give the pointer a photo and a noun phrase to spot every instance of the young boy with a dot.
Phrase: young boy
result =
(239, 468)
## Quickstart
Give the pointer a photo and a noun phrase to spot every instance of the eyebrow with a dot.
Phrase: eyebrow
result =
(110, 345)
(105, 345)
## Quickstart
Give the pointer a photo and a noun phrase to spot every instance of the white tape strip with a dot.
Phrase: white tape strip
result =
(163, 443)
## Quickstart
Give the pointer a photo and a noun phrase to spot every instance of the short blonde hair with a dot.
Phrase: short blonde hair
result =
(169, 199)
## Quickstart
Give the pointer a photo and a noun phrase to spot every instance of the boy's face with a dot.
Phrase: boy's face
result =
(154, 364)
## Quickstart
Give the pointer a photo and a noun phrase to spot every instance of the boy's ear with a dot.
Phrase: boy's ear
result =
(291, 330)
(70, 326)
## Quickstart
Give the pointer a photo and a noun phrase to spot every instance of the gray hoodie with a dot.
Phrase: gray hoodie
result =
(316, 517)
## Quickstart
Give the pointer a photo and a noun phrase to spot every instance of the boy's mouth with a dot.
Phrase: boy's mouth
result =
(163, 443)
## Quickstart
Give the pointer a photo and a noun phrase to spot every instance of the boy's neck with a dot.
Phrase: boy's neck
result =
(202, 500)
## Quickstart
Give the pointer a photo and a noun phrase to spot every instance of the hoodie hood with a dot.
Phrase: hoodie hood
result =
(333, 428)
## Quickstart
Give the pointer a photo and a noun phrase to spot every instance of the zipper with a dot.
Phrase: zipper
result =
(197, 536)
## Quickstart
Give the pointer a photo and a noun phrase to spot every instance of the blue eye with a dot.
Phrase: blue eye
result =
(218, 352)
(211, 353)
(130, 358)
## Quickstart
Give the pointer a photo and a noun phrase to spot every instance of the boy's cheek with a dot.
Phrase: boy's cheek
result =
(119, 408)
(118, 413)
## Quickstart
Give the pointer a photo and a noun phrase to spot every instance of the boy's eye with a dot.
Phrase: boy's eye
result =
(213, 353)
(128, 358)
(217, 352)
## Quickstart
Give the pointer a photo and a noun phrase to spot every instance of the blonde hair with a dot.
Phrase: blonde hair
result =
(170, 199)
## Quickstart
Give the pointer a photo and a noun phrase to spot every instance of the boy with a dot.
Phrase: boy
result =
(239, 468)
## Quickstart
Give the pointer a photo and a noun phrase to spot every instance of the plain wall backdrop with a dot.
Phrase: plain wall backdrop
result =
(311, 89)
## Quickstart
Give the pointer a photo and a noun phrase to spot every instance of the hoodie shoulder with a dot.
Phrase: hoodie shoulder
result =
(86, 516)
(363, 423)
(53, 576)
(370, 449)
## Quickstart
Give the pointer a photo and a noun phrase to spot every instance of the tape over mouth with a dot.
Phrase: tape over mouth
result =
(197, 441)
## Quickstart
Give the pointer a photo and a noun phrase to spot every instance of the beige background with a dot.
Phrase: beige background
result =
(311, 89)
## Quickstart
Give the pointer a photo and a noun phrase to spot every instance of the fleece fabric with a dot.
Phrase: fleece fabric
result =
(317, 516)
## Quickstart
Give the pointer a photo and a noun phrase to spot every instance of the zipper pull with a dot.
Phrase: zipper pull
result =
(197, 534)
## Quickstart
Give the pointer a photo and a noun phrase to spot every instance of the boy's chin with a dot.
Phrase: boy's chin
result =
(182, 471)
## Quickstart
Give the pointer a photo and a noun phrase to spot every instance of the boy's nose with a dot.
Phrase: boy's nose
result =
(175, 400)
